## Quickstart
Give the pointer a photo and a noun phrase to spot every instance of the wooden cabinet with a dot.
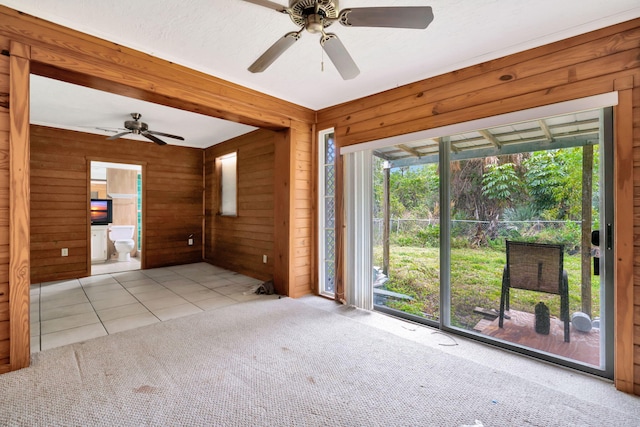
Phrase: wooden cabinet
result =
(98, 243)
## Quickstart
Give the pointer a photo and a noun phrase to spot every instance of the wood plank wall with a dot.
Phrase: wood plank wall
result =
(590, 64)
(238, 242)
(4, 207)
(172, 184)
(636, 234)
(303, 212)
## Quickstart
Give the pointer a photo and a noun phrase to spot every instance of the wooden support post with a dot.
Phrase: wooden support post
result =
(623, 237)
(19, 271)
(282, 212)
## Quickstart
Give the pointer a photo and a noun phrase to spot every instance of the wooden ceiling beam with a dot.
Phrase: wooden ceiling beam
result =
(91, 61)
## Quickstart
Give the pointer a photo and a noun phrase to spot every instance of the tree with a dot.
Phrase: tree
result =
(542, 177)
(527, 186)
(500, 182)
(553, 180)
(414, 191)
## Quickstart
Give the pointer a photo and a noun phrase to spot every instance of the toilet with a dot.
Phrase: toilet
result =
(122, 238)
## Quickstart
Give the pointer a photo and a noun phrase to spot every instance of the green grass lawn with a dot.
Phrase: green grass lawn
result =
(476, 280)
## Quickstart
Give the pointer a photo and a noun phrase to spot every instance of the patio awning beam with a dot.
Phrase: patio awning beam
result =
(409, 150)
(490, 137)
(545, 129)
(513, 148)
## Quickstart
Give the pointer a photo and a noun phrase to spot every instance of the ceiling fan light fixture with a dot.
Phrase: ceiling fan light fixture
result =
(314, 23)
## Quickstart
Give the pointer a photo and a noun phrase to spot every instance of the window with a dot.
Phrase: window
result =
(326, 220)
(227, 166)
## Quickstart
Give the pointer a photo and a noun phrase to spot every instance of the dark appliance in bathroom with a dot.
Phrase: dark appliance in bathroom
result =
(101, 211)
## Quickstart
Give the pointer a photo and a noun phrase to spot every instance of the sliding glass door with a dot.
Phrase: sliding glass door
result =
(447, 209)
(406, 236)
(520, 216)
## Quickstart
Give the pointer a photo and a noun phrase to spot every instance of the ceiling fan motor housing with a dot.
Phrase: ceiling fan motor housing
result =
(304, 14)
(136, 126)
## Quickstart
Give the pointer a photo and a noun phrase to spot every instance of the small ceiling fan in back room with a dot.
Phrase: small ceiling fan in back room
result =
(316, 15)
(137, 127)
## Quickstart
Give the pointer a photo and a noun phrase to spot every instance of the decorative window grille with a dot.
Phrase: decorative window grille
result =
(327, 238)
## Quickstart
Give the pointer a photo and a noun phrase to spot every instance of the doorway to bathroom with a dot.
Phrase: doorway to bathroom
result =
(115, 208)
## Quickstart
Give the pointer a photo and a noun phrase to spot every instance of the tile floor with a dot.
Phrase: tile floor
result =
(71, 311)
(114, 266)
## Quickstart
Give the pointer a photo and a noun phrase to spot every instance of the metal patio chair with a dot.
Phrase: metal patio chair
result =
(536, 267)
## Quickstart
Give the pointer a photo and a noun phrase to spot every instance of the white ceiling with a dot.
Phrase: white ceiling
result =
(223, 37)
(58, 104)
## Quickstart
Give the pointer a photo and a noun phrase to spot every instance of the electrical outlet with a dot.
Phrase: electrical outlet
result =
(65, 251)
(190, 242)
(264, 259)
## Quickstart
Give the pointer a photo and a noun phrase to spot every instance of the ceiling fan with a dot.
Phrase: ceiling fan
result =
(316, 15)
(137, 127)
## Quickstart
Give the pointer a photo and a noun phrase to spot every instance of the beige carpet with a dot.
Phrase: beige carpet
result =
(280, 362)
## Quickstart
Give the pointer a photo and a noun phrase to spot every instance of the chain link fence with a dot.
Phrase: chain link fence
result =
(426, 232)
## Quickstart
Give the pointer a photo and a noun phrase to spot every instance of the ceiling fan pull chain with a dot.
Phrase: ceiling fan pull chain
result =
(322, 60)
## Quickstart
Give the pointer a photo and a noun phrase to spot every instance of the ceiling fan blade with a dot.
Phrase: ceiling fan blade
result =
(339, 56)
(104, 129)
(274, 52)
(118, 135)
(153, 138)
(394, 17)
(269, 4)
(166, 134)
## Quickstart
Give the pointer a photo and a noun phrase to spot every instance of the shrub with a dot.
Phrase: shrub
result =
(429, 236)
